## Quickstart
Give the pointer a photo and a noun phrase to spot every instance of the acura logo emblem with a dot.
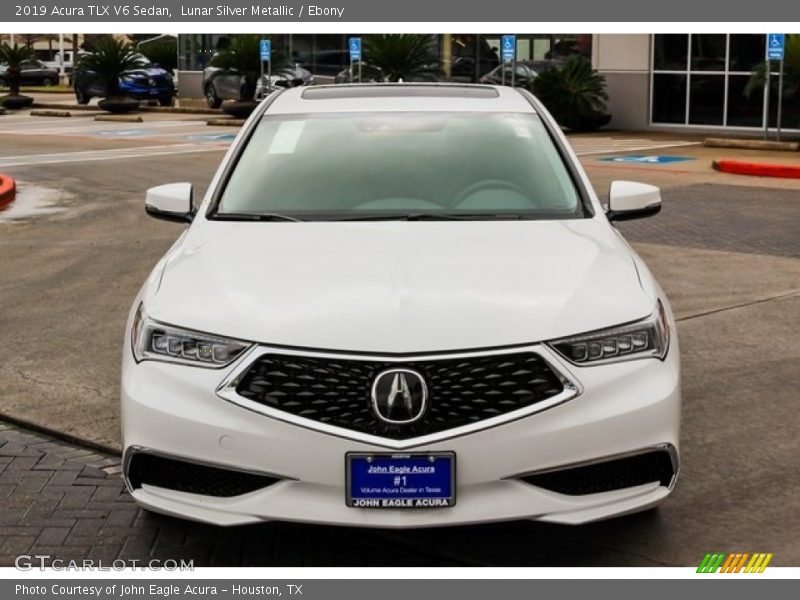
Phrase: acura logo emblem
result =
(399, 396)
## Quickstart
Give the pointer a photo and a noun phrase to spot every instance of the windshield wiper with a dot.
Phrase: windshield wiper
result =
(433, 217)
(254, 217)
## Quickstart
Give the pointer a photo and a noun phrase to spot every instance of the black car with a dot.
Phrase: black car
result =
(33, 73)
(148, 82)
(524, 72)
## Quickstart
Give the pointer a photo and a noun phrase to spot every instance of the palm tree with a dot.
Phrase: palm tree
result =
(12, 57)
(108, 60)
(403, 56)
(242, 56)
(574, 93)
(791, 71)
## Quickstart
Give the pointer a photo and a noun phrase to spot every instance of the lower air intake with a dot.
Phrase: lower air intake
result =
(182, 476)
(609, 475)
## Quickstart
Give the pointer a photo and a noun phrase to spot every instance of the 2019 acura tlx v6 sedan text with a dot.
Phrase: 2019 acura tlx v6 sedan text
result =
(400, 305)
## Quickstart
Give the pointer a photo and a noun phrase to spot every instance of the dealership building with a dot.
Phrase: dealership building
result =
(690, 82)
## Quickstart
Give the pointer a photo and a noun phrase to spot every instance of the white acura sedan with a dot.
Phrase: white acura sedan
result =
(400, 305)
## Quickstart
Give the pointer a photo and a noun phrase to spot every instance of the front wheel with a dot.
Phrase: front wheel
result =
(166, 100)
(81, 96)
(212, 99)
(47, 82)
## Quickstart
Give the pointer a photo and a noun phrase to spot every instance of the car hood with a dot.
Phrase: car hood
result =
(399, 287)
(147, 72)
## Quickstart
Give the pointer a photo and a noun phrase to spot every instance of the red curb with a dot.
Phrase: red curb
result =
(740, 167)
(7, 188)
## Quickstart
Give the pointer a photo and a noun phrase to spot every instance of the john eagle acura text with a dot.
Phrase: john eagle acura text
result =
(400, 305)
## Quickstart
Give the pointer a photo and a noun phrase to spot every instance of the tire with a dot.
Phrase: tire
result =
(81, 97)
(167, 101)
(47, 82)
(212, 99)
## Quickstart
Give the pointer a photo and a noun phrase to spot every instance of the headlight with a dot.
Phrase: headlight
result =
(643, 339)
(151, 340)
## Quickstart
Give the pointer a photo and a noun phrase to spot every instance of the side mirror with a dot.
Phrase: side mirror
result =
(630, 200)
(170, 202)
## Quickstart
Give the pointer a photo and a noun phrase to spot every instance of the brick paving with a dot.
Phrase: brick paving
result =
(717, 217)
(70, 503)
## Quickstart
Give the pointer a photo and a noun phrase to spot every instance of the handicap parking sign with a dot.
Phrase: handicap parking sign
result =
(355, 49)
(647, 160)
(266, 50)
(508, 47)
(775, 46)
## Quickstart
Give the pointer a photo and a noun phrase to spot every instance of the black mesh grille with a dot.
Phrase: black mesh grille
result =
(608, 475)
(461, 391)
(184, 476)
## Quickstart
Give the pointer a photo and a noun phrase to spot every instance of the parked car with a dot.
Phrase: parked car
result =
(299, 77)
(148, 82)
(524, 72)
(33, 74)
(394, 318)
(467, 69)
(220, 84)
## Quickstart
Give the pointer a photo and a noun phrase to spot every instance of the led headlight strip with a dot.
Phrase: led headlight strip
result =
(646, 338)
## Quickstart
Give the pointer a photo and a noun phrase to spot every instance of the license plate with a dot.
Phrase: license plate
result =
(401, 480)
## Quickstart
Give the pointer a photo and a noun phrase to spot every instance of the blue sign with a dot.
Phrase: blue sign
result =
(648, 160)
(355, 49)
(508, 47)
(775, 46)
(266, 50)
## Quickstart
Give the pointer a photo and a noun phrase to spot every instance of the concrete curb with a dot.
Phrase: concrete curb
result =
(741, 167)
(226, 122)
(155, 109)
(60, 435)
(8, 188)
(119, 118)
(50, 113)
(751, 144)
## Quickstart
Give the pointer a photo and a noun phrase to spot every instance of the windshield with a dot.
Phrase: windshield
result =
(384, 165)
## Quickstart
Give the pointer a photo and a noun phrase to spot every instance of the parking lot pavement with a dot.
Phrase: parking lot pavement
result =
(724, 248)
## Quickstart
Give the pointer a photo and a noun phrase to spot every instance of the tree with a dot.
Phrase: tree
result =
(243, 57)
(574, 93)
(12, 57)
(109, 59)
(791, 71)
(162, 53)
(404, 56)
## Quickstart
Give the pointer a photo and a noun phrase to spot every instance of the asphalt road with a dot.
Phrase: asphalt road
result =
(724, 248)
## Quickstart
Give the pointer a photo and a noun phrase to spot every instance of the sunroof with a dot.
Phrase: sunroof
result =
(398, 90)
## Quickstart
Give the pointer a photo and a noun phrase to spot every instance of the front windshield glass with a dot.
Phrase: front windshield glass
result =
(380, 165)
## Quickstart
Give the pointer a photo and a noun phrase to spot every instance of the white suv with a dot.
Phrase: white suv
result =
(400, 305)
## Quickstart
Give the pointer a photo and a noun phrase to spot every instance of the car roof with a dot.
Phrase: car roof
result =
(399, 97)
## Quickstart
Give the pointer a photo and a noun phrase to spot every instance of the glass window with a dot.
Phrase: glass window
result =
(670, 52)
(744, 111)
(746, 51)
(706, 99)
(790, 117)
(385, 164)
(669, 98)
(708, 52)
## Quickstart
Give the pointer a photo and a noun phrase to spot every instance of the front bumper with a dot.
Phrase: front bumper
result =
(174, 410)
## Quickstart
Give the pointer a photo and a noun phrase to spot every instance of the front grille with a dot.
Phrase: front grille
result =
(615, 474)
(337, 392)
(182, 476)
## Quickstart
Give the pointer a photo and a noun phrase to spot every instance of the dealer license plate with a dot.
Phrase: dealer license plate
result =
(401, 480)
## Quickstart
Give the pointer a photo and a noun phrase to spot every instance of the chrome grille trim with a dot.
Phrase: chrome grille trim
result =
(227, 391)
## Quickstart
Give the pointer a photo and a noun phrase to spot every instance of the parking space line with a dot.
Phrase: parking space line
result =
(113, 154)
